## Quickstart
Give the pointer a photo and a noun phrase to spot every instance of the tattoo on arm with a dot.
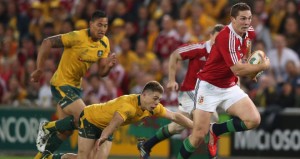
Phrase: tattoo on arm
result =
(56, 41)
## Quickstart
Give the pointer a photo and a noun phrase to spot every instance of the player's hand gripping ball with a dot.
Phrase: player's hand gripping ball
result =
(257, 57)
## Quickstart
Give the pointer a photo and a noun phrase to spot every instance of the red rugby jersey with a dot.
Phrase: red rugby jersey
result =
(228, 49)
(197, 54)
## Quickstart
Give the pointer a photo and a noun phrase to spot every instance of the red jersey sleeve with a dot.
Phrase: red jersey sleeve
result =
(225, 43)
(191, 51)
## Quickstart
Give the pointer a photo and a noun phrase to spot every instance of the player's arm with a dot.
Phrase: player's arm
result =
(105, 64)
(174, 58)
(179, 119)
(246, 69)
(115, 122)
(47, 44)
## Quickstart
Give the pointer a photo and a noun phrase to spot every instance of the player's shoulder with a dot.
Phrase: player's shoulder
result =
(83, 32)
(191, 46)
(224, 33)
(104, 41)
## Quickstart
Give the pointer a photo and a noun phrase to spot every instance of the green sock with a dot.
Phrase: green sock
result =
(163, 133)
(233, 125)
(53, 143)
(160, 135)
(64, 124)
(186, 149)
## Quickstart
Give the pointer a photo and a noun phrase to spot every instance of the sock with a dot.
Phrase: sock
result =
(186, 149)
(232, 125)
(53, 143)
(160, 135)
(64, 124)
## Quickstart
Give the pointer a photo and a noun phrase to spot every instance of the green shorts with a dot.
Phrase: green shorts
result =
(65, 95)
(89, 130)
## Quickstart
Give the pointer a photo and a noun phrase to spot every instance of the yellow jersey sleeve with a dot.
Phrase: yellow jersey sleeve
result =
(70, 39)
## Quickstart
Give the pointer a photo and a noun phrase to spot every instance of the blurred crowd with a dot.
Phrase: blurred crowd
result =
(143, 34)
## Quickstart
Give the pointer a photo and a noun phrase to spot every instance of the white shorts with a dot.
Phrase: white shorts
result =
(209, 97)
(186, 101)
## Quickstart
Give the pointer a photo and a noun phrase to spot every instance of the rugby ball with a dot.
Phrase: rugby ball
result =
(255, 58)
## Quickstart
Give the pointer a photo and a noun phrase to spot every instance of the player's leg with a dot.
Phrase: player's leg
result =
(186, 105)
(163, 133)
(246, 116)
(69, 108)
(55, 138)
(70, 102)
(89, 131)
(68, 156)
(201, 121)
(239, 105)
(206, 102)
(104, 150)
(85, 147)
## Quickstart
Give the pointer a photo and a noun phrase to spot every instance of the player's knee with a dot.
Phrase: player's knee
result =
(197, 138)
(175, 128)
(198, 134)
(83, 154)
(254, 122)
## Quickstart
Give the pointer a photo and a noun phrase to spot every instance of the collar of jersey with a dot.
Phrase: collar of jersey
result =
(139, 100)
(89, 32)
(237, 35)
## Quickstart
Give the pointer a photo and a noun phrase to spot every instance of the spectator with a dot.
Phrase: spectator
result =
(127, 57)
(144, 57)
(277, 14)
(262, 32)
(167, 40)
(279, 57)
(45, 99)
(286, 96)
(199, 18)
(16, 93)
(152, 34)
(291, 32)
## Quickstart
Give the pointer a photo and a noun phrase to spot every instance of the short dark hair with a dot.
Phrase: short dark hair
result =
(217, 28)
(98, 14)
(238, 7)
(153, 86)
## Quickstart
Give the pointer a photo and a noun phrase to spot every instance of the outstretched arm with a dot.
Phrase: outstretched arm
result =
(179, 119)
(115, 122)
(47, 44)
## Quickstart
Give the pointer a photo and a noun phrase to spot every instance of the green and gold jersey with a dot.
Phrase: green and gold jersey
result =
(127, 106)
(79, 53)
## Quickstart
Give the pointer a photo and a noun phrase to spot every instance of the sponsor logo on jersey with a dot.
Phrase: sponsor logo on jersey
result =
(200, 100)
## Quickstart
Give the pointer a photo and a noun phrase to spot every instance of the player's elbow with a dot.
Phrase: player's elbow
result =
(46, 43)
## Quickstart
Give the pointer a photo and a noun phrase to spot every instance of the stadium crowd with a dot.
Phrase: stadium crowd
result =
(143, 34)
